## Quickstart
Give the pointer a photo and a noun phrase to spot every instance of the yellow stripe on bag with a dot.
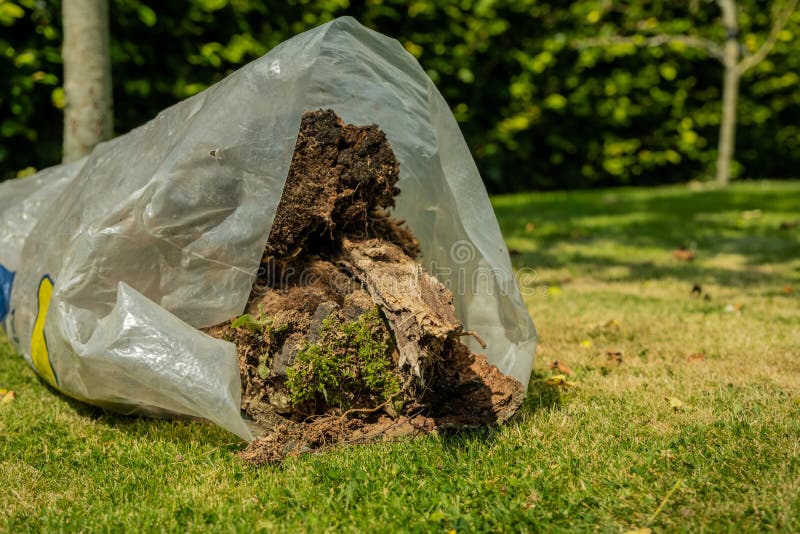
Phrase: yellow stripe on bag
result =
(39, 352)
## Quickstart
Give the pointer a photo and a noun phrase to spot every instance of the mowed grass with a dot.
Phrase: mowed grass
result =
(611, 453)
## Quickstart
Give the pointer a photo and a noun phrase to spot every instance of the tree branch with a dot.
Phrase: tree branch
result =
(657, 40)
(730, 18)
(761, 54)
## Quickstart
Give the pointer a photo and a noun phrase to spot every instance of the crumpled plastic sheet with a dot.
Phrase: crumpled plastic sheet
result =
(109, 265)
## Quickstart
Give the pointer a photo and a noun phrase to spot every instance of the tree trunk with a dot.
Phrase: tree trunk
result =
(88, 115)
(727, 128)
(730, 93)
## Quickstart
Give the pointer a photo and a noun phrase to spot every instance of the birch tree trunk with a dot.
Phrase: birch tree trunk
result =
(88, 115)
(729, 55)
(730, 93)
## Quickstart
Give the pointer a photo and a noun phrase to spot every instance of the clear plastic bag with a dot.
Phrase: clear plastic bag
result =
(114, 262)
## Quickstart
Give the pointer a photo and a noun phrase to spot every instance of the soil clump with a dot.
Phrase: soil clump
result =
(345, 338)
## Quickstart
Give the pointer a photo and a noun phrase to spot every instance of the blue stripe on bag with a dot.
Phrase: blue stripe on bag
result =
(6, 279)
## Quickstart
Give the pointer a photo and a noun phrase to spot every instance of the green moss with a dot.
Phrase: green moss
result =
(350, 366)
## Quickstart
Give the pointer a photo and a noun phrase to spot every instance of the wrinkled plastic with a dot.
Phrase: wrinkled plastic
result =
(119, 258)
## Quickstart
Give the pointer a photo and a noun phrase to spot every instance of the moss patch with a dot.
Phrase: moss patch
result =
(350, 366)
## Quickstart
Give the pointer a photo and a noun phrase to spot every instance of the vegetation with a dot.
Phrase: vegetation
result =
(527, 93)
(351, 365)
(694, 427)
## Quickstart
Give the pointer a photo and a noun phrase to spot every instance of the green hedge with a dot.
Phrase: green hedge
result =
(538, 109)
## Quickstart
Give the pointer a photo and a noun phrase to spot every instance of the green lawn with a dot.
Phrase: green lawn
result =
(610, 453)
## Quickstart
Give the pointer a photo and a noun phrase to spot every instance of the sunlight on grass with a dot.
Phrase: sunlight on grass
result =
(612, 453)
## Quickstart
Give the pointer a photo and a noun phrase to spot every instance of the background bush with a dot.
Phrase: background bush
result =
(538, 109)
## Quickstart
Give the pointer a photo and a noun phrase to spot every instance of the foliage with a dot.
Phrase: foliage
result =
(253, 324)
(349, 366)
(30, 94)
(526, 94)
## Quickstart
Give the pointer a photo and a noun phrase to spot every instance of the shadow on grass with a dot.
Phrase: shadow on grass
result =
(171, 429)
(651, 219)
(540, 396)
(638, 271)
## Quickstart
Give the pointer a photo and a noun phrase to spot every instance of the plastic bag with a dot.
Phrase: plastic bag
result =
(114, 262)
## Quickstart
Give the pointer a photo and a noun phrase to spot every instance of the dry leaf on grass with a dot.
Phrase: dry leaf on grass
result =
(8, 396)
(614, 356)
(696, 357)
(531, 501)
(561, 367)
(560, 381)
(684, 254)
(675, 403)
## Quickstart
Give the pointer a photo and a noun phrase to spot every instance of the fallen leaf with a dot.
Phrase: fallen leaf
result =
(614, 356)
(8, 396)
(554, 291)
(734, 308)
(788, 290)
(696, 357)
(533, 498)
(561, 367)
(530, 227)
(684, 254)
(675, 403)
(643, 530)
(586, 343)
(3, 392)
(560, 381)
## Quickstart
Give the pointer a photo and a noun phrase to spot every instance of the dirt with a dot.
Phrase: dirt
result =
(345, 339)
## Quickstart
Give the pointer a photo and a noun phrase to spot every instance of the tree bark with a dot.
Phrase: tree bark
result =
(730, 93)
(88, 114)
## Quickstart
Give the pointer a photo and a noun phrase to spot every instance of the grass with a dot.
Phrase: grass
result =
(609, 454)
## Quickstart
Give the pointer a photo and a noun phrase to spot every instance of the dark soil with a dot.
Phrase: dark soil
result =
(345, 339)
